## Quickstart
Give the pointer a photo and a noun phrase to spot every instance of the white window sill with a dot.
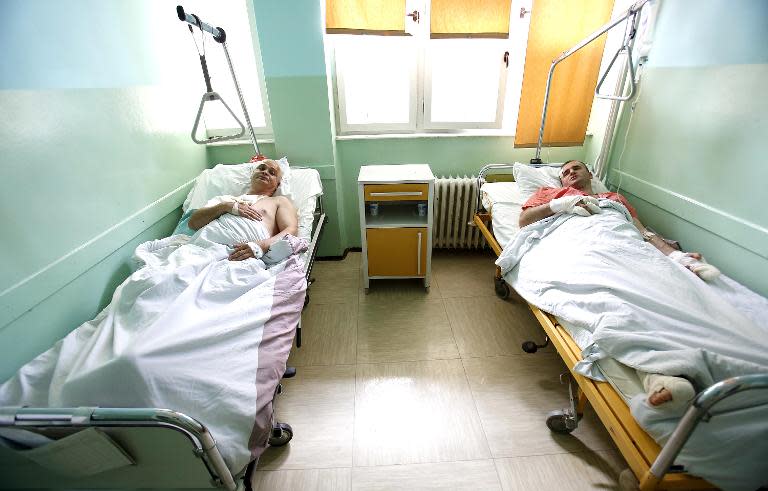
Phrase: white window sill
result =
(230, 143)
(456, 134)
(442, 134)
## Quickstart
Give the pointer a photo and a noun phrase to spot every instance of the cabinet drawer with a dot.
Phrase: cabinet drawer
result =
(397, 251)
(396, 192)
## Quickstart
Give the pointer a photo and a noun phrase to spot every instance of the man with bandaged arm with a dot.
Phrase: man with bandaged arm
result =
(576, 197)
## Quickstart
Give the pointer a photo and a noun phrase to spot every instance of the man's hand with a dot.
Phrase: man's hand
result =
(695, 262)
(244, 251)
(245, 210)
(577, 205)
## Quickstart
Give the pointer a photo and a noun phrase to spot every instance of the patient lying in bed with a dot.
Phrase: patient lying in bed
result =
(276, 216)
(576, 197)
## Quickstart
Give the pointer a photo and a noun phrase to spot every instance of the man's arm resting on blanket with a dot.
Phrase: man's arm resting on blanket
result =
(658, 241)
(540, 212)
(286, 221)
(203, 216)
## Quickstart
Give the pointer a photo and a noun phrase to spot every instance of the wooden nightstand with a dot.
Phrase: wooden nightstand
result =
(396, 203)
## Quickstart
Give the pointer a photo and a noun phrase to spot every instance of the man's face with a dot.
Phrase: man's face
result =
(266, 177)
(575, 175)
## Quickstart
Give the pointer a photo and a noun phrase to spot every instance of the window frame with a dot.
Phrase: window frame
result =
(374, 128)
(422, 78)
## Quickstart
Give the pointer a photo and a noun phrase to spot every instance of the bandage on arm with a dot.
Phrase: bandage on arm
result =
(571, 204)
(703, 270)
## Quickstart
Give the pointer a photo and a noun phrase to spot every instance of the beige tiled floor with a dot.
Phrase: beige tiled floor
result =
(406, 389)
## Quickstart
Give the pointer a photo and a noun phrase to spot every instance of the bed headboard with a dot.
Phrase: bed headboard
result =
(492, 173)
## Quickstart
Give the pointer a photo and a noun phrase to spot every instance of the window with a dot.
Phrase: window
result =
(464, 65)
(416, 77)
(236, 18)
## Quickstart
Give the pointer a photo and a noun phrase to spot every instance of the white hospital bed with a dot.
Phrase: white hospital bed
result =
(136, 447)
(499, 204)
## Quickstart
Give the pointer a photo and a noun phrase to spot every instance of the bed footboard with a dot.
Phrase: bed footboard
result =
(160, 448)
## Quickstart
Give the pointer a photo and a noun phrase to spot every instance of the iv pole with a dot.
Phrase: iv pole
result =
(631, 13)
(220, 37)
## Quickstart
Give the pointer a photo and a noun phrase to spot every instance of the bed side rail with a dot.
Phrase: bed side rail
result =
(482, 179)
(320, 221)
(66, 421)
(699, 410)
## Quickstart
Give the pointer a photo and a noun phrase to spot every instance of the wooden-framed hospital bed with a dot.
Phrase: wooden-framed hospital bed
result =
(155, 447)
(651, 465)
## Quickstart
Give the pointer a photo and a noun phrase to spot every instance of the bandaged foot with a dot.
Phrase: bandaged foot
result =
(673, 393)
(573, 204)
(703, 270)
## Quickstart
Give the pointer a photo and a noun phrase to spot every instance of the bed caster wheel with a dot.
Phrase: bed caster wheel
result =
(530, 347)
(628, 481)
(281, 435)
(502, 289)
(561, 422)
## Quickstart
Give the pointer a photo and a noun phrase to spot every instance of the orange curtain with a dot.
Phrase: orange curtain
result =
(365, 17)
(556, 26)
(470, 18)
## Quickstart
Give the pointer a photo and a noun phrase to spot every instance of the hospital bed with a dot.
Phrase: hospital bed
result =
(651, 466)
(147, 447)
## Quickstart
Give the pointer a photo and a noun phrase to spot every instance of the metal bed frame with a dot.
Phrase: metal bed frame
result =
(171, 443)
(650, 466)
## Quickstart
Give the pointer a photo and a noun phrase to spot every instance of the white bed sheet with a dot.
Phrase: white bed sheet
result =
(504, 201)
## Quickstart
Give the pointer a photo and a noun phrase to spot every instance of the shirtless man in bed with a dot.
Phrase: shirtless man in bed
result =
(276, 213)
(577, 197)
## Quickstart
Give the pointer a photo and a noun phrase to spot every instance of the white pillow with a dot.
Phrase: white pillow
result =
(232, 179)
(501, 192)
(530, 179)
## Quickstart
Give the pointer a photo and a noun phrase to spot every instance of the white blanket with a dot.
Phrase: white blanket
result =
(189, 331)
(648, 313)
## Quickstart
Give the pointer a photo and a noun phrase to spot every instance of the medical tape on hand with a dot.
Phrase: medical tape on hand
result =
(235, 211)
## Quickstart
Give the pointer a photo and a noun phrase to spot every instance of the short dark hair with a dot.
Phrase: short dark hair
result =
(573, 160)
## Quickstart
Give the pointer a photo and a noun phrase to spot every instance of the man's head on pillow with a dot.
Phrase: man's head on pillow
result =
(266, 178)
(575, 174)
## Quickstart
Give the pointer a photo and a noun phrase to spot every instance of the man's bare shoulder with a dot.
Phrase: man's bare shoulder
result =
(283, 200)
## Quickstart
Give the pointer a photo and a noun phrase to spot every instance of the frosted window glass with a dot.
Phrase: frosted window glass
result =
(465, 80)
(377, 74)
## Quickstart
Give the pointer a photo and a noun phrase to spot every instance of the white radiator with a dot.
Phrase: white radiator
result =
(455, 199)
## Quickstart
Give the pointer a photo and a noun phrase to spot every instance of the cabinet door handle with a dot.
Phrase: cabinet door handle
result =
(399, 193)
(418, 256)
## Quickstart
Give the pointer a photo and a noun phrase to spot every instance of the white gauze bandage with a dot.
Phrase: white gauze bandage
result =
(256, 248)
(235, 211)
(570, 204)
(703, 270)
(681, 389)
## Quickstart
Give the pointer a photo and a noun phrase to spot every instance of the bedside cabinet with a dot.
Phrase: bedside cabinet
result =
(396, 209)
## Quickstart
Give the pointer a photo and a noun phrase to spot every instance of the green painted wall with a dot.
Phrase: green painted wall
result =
(290, 37)
(95, 156)
(694, 162)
